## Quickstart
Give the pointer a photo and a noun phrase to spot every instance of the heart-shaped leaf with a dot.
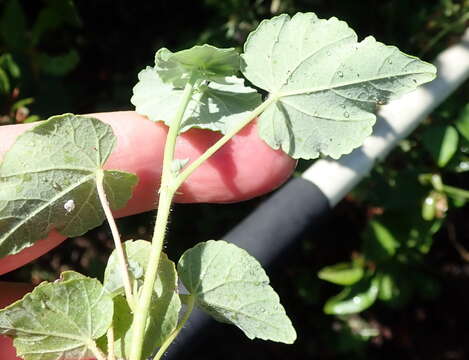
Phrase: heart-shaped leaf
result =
(48, 180)
(232, 287)
(324, 85)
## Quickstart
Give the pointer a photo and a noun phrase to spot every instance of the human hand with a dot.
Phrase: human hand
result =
(244, 168)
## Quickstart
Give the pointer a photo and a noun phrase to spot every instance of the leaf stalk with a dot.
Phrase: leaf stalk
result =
(117, 240)
(188, 170)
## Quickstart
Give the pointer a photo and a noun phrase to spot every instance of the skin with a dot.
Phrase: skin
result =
(244, 168)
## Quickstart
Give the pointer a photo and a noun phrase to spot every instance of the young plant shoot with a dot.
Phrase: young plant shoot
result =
(321, 90)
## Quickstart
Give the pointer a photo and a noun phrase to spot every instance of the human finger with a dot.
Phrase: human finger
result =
(244, 168)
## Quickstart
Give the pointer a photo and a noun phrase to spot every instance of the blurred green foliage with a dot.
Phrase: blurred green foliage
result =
(25, 59)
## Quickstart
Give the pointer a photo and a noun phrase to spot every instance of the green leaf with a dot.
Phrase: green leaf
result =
(59, 65)
(442, 142)
(323, 83)
(395, 287)
(232, 287)
(22, 103)
(7, 61)
(59, 320)
(71, 275)
(342, 273)
(137, 259)
(379, 243)
(165, 304)
(4, 82)
(455, 193)
(354, 299)
(462, 122)
(202, 61)
(215, 106)
(48, 180)
(408, 228)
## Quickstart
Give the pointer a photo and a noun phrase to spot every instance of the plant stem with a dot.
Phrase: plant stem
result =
(169, 185)
(175, 333)
(215, 147)
(457, 192)
(117, 240)
(167, 191)
(96, 352)
(110, 344)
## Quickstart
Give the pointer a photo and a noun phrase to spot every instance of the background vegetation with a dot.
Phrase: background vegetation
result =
(404, 230)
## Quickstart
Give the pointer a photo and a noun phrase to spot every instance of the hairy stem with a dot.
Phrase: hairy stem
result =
(167, 191)
(169, 185)
(175, 333)
(110, 344)
(215, 147)
(117, 240)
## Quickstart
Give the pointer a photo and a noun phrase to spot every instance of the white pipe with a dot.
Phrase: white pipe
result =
(395, 121)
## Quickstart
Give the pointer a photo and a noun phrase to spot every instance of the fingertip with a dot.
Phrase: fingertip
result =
(243, 168)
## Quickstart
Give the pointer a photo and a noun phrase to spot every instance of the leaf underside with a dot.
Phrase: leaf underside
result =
(325, 84)
(232, 287)
(48, 180)
(203, 61)
(58, 320)
(215, 106)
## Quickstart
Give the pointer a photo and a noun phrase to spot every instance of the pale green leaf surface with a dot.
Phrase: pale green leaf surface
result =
(137, 258)
(165, 304)
(48, 180)
(325, 84)
(215, 106)
(58, 321)
(342, 273)
(201, 61)
(71, 275)
(232, 287)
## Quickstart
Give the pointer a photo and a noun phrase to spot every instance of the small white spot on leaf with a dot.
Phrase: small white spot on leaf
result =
(69, 206)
